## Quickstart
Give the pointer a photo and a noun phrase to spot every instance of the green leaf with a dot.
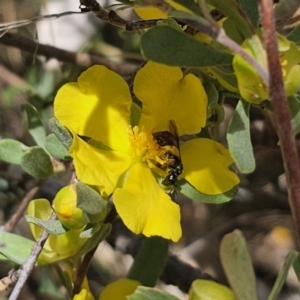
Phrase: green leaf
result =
(35, 125)
(226, 78)
(90, 230)
(37, 162)
(167, 45)
(91, 201)
(294, 105)
(294, 35)
(211, 92)
(296, 266)
(96, 240)
(232, 10)
(47, 283)
(15, 247)
(146, 293)
(250, 8)
(53, 227)
(151, 257)
(189, 4)
(209, 290)
(237, 265)
(289, 261)
(239, 139)
(232, 32)
(56, 148)
(61, 132)
(188, 190)
(2, 257)
(11, 151)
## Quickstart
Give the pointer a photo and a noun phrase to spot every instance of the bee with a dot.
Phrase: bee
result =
(169, 142)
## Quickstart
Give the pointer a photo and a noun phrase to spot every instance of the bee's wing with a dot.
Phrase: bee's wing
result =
(174, 132)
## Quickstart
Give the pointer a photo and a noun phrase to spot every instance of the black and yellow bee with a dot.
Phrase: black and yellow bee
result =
(168, 141)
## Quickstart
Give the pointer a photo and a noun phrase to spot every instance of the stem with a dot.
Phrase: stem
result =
(21, 275)
(223, 39)
(80, 59)
(281, 113)
(10, 224)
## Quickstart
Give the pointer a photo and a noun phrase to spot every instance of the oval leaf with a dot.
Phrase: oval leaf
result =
(56, 148)
(90, 201)
(294, 105)
(10, 247)
(37, 162)
(147, 293)
(53, 227)
(101, 235)
(237, 265)
(294, 35)
(209, 290)
(11, 151)
(35, 125)
(250, 8)
(292, 259)
(169, 46)
(232, 10)
(239, 140)
(188, 190)
(63, 135)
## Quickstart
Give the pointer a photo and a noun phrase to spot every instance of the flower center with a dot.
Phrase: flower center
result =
(143, 146)
(159, 152)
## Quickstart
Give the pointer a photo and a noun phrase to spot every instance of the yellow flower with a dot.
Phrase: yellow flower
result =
(84, 295)
(57, 247)
(251, 85)
(149, 12)
(122, 160)
(119, 289)
(65, 206)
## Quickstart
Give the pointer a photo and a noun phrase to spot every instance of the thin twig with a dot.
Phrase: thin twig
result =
(81, 59)
(223, 39)
(82, 270)
(21, 275)
(281, 112)
(10, 25)
(10, 224)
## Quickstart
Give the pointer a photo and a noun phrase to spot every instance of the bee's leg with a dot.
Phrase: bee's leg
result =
(173, 193)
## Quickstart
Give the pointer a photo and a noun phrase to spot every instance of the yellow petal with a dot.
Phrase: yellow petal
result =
(145, 208)
(210, 290)
(57, 247)
(205, 166)
(119, 289)
(97, 167)
(167, 95)
(41, 209)
(62, 246)
(150, 12)
(84, 295)
(98, 106)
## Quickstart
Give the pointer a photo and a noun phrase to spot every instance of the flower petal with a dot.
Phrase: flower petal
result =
(84, 295)
(57, 247)
(97, 167)
(145, 208)
(167, 95)
(98, 106)
(150, 12)
(205, 166)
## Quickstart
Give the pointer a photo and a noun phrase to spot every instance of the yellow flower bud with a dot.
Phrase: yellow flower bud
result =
(65, 206)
